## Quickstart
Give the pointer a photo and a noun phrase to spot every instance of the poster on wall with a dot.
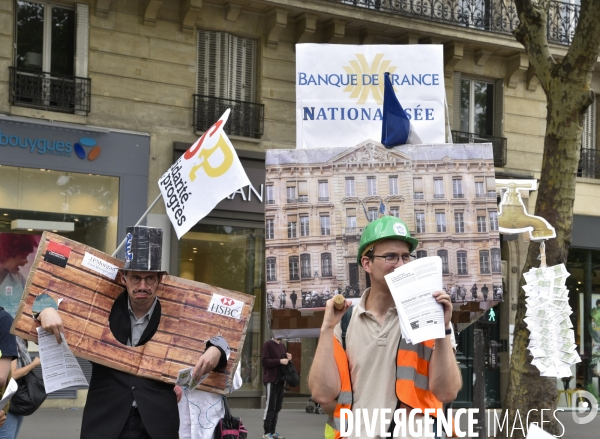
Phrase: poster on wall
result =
(320, 200)
(339, 91)
(17, 252)
(595, 333)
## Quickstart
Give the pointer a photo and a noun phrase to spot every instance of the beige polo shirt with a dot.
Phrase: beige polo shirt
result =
(371, 349)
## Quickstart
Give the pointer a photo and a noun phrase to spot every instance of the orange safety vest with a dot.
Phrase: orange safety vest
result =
(412, 378)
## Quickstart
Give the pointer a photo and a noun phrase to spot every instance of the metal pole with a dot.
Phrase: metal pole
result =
(138, 223)
(479, 377)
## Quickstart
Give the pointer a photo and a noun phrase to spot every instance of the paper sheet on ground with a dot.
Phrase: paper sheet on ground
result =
(60, 368)
(10, 390)
(412, 285)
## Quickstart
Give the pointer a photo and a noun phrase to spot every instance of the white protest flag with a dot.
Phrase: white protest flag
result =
(207, 172)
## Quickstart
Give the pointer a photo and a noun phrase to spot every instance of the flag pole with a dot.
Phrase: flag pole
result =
(139, 221)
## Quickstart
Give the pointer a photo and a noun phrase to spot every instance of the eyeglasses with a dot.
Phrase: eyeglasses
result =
(150, 280)
(393, 258)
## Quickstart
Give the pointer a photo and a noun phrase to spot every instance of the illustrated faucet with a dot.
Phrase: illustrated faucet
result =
(513, 218)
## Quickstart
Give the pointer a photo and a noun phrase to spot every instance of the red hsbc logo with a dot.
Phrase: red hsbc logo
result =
(227, 301)
(225, 306)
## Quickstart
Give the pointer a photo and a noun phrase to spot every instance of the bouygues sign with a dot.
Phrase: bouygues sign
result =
(84, 148)
(339, 91)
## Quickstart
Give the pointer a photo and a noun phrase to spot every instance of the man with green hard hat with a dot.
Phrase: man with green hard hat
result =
(362, 362)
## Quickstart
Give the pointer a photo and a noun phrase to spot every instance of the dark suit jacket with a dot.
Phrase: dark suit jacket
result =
(112, 392)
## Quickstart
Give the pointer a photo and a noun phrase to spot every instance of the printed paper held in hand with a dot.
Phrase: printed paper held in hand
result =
(412, 286)
(11, 389)
(60, 368)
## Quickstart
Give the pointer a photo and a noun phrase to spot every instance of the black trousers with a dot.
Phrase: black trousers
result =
(273, 406)
(134, 427)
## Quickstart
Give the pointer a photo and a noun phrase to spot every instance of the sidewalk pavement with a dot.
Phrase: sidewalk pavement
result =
(293, 424)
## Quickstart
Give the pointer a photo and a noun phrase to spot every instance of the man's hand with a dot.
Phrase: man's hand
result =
(2, 418)
(444, 298)
(178, 392)
(333, 315)
(207, 362)
(52, 322)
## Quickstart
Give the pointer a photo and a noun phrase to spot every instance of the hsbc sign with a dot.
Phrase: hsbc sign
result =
(226, 306)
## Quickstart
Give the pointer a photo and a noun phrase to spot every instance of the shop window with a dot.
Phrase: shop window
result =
(371, 186)
(457, 190)
(326, 270)
(484, 261)
(293, 268)
(305, 266)
(304, 226)
(270, 228)
(421, 254)
(440, 220)
(271, 269)
(270, 194)
(350, 188)
(51, 57)
(459, 222)
(438, 188)
(420, 220)
(393, 184)
(325, 225)
(493, 221)
(418, 188)
(443, 254)
(227, 78)
(496, 261)
(323, 190)
(481, 221)
(461, 262)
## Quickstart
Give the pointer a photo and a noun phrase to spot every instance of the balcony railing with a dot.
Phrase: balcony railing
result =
(49, 91)
(498, 144)
(498, 16)
(352, 231)
(302, 198)
(323, 198)
(246, 118)
(589, 163)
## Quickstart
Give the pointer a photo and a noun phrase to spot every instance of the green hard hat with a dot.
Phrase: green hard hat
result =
(387, 227)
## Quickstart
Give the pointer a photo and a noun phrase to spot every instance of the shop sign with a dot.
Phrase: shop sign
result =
(80, 147)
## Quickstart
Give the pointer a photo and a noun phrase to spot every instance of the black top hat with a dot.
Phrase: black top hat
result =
(143, 249)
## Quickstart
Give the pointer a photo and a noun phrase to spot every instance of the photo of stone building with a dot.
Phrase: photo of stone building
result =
(318, 202)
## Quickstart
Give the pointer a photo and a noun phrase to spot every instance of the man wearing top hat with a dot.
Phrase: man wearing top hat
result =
(124, 406)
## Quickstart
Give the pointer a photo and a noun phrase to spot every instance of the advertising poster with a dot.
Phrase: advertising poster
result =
(339, 91)
(318, 202)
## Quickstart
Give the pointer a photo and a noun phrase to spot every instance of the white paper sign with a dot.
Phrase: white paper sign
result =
(225, 306)
(206, 173)
(100, 266)
(339, 91)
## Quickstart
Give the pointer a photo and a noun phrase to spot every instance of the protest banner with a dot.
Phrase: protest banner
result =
(340, 88)
(207, 172)
(86, 280)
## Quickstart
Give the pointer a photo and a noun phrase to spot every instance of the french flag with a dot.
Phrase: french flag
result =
(396, 128)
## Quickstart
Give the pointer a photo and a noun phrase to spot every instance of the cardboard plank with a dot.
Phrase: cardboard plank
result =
(88, 296)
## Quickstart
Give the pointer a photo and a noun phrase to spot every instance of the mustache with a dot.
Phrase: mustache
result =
(141, 291)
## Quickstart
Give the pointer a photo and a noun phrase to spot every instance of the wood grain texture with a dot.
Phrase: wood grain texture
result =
(88, 297)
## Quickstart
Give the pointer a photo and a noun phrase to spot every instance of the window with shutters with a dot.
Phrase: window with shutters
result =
(302, 192)
(443, 254)
(226, 79)
(589, 156)
(418, 188)
(393, 184)
(51, 57)
(305, 266)
(271, 269)
(461, 262)
(326, 267)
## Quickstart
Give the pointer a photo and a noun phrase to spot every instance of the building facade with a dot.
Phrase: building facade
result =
(151, 76)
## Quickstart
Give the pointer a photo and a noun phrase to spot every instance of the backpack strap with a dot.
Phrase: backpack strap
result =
(345, 322)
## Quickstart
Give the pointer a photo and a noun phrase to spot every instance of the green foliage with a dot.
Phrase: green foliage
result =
(592, 389)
